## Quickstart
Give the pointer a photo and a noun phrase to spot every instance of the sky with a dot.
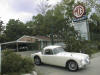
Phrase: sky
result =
(20, 9)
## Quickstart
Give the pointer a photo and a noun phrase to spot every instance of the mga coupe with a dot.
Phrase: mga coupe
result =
(55, 55)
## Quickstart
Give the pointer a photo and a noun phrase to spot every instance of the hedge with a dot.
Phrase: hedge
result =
(14, 64)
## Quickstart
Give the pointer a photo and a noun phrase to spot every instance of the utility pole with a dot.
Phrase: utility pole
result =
(52, 40)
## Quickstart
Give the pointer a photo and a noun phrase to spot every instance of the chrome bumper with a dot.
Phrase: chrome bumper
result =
(84, 63)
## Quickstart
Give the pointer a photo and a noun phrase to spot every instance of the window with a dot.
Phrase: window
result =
(58, 50)
(48, 52)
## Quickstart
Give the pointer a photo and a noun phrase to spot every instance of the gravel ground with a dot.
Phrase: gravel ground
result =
(27, 53)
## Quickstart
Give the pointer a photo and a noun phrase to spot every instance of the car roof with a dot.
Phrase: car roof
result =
(51, 47)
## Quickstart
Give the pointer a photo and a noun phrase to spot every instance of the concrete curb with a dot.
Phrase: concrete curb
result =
(33, 73)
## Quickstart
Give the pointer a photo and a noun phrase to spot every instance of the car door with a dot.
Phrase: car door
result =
(59, 60)
(48, 57)
(53, 59)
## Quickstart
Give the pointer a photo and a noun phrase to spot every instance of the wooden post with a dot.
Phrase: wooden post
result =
(17, 46)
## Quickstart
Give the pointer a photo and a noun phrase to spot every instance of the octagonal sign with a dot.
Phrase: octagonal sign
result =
(79, 11)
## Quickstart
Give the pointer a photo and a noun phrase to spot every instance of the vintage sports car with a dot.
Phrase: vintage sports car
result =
(55, 55)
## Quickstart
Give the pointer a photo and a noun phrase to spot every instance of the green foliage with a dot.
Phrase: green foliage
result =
(13, 63)
(94, 26)
(30, 28)
(83, 46)
(1, 26)
(15, 29)
(87, 47)
(94, 21)
(40, 28)
(99, 46)
(3, 38)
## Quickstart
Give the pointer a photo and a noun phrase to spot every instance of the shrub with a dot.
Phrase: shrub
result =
(90, 47)
(87, 47)
(99, 46)
(14, 63)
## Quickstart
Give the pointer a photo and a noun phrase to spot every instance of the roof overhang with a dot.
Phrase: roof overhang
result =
(11, 42)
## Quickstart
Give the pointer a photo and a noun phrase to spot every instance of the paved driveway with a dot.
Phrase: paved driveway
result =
(92, 69)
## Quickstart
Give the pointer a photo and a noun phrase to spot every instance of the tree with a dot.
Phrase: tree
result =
(93, 4)
(15, 29)
(43, 7)
(40, 19)
(3, 38)
(94, 26)
(1, 26)
(67, 32)
(55, 20)
(39, 27)
(52, 21)
(30, 26)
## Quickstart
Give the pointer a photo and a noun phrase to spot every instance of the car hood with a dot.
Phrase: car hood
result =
(76, 55)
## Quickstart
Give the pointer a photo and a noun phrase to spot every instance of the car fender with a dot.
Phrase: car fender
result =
(72, 59)
(39, 54)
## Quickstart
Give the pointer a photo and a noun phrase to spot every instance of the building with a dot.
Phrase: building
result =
(27, 43)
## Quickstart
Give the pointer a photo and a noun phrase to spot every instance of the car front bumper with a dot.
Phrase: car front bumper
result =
(84, 63)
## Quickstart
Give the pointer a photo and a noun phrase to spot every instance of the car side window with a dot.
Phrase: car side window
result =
(55, 51)
(48, 52)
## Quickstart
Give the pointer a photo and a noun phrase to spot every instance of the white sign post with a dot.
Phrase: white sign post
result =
(0, 57)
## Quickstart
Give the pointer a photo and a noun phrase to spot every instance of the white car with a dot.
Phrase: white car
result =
(55, 55)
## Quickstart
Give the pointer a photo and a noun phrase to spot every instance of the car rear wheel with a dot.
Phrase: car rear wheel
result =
(72, 66)
(37, 60)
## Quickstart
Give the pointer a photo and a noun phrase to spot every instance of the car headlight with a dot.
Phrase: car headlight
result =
(85, 61)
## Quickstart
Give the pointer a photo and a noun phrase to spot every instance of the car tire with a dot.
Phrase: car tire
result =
(37, 60)
(72, 66)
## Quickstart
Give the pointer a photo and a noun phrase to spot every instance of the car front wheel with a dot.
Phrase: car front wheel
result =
(72, 66)
(37, 61)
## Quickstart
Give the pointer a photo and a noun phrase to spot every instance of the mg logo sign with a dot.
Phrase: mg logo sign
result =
(79, 21)
(79, 11)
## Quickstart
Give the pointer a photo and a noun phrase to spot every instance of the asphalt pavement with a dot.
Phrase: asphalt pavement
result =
(92, 69)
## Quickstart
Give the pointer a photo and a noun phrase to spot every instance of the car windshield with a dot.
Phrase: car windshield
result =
(58, 50)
